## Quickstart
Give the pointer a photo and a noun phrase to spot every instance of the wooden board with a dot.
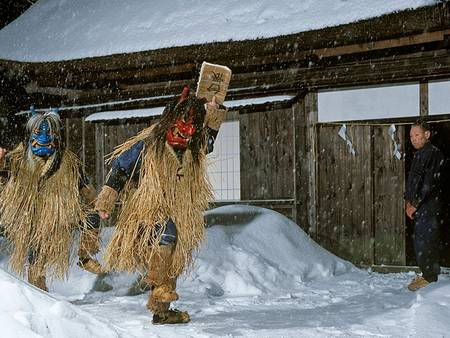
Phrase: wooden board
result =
(345, 194)
(389, 187)
(213, 81)
(267, 155)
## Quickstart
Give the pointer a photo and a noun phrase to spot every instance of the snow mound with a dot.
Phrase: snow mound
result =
(25, 311)
(252, 251)
(247, 251)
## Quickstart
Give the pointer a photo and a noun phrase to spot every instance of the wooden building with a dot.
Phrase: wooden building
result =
(290, 161)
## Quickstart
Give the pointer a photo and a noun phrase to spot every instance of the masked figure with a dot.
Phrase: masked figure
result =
(161, 174)
(45, 199)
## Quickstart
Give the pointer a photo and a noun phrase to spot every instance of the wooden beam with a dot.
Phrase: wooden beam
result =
(326, 73)
(424, 102)
(419, 66)
(390, 268)
(70, 94)
(383, 44)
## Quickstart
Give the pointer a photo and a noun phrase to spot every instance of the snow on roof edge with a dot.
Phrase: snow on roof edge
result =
(153, 112)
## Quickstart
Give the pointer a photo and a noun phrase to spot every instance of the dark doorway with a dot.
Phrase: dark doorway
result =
(441, 139)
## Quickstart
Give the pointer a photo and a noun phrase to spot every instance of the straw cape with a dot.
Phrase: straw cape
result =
(40, 211)
(169, 187)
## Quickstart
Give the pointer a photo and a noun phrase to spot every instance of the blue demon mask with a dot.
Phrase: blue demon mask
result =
(44, 133)
(42, 141)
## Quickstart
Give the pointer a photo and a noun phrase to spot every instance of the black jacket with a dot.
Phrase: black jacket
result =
(424, 183)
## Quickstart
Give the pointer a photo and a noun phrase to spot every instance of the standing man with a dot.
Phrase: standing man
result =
(46, 197)
(423, 203)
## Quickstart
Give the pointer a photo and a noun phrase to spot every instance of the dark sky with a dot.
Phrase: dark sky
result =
(11, 9)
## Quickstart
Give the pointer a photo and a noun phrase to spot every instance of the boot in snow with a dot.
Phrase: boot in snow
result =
(89, 246)
(417, 283)
(36, 279)
(171, 317)
(90, 265)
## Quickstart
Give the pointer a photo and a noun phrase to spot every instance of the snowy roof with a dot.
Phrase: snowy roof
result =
(149, 112)
(54, 30)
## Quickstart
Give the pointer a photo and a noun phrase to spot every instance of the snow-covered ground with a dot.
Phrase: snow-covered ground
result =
(54, 30)
(257, 275)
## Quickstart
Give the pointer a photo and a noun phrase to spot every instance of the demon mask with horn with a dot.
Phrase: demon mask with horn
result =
(182, 125)
(44, 141)
(45, 133)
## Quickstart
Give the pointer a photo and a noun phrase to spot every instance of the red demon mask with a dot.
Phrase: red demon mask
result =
(179, 135)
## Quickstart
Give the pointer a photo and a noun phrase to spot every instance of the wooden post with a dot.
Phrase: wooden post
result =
(424, 104)
(311, 116)
(300, 188)
(100, 154)
(83, 143)
(67, 131)
(304, 114)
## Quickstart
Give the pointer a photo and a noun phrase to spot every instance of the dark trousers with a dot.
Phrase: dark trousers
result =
(427, 231)
(169, 236)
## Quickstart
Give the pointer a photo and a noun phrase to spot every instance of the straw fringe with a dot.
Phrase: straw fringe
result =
(40, 214)
(160, 195)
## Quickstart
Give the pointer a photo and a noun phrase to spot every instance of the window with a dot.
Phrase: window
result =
(369, 103)
(224, 163)
(439, 97)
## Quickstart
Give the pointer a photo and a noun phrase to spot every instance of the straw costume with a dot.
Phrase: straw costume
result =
(161, 174)
(44, 200)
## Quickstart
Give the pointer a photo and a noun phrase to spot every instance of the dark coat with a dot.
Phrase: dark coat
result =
(424, 191)
(424, 183)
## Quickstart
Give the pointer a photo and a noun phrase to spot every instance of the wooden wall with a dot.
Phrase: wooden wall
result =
(267, 155)
(388, 206)
(107, 137)
(266, 148)
(351, 205)
(360, 198)
(92, 142)
(80, 138)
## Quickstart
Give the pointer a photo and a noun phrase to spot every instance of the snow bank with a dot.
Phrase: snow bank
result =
(251, 251)
(25, 311)
(62, 29)
(257, 275)
(247, 251)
